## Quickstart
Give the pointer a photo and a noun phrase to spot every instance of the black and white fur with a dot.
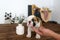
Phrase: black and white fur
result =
(32, 23)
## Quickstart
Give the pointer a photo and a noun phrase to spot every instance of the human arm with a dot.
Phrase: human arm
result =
(46, 32)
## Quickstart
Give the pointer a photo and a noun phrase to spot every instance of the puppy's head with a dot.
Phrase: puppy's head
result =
(33, 19)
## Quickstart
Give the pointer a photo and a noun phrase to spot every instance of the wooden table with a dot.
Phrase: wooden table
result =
(8, 32)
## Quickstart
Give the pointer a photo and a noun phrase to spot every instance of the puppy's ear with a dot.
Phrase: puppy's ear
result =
(38, 19)
(33, 22)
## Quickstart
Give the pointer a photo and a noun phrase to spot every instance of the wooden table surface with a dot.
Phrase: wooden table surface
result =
(8, 32)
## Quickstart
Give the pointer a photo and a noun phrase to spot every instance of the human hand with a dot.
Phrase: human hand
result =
(46, 32)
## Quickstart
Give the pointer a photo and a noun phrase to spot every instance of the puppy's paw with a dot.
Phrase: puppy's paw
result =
(38, 37)
(29, 36)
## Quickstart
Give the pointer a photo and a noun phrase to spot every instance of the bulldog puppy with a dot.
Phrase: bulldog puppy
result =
(33, 21)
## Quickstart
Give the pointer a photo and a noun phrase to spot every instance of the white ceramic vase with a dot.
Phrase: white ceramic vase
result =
(20, 29)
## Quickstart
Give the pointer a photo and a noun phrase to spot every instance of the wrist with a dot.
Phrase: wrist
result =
(56, 36)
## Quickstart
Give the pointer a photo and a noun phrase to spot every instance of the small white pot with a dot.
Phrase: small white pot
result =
(20, 29)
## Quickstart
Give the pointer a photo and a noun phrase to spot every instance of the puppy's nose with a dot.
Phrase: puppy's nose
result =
(29, 22)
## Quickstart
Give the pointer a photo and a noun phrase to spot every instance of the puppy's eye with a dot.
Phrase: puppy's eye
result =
(32, 19)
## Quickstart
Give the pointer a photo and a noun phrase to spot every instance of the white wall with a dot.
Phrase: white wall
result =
(14, 6)
(56, 11)
(20, 7)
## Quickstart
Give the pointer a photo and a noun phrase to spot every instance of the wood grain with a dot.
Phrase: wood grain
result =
(8, 32)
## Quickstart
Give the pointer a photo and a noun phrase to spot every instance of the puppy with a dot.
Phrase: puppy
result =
(34, 21)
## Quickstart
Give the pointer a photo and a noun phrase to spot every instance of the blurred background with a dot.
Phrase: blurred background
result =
(20, 8)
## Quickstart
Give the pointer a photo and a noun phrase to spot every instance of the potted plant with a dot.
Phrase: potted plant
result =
(20, 27)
